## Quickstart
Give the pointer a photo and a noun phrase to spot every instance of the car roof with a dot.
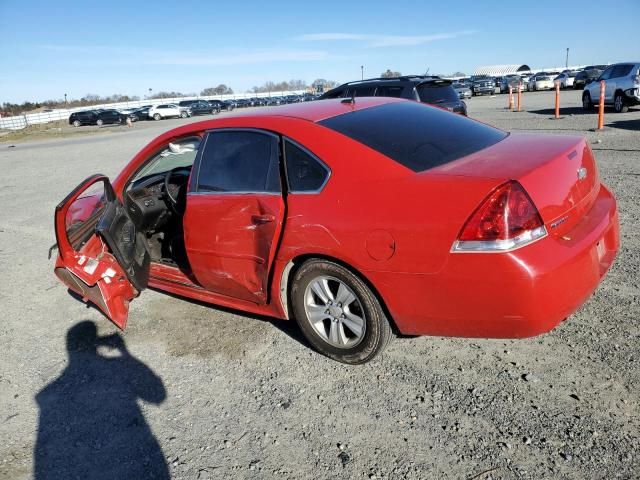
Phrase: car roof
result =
(401, 78)
(319, 110)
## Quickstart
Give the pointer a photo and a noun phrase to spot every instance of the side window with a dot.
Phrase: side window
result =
(368, 91)
(239, 161)
(388, 91)
(305, 173)
(621, 71)
(606, 74)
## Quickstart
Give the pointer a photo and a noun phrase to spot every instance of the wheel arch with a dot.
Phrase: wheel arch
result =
(294, 264)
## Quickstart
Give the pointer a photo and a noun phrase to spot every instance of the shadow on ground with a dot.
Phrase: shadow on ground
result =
(626, 124)
(550, 112)
(90, 423)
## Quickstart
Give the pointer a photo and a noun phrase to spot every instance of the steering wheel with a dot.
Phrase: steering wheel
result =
(175, 203)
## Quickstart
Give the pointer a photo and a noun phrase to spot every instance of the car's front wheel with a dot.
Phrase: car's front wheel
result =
(587, 103)
(619, 104)
(157, 116)
(183, 114)
(99, 123)
(338, 313)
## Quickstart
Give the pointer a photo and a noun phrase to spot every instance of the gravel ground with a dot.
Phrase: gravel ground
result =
(201, 392)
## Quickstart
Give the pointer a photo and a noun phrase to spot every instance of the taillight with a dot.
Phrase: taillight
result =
(507, 219)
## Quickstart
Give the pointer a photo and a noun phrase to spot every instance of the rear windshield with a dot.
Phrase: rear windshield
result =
(437, 93)
(415, 135)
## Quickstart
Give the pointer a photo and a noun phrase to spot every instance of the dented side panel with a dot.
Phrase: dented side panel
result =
(231, 241)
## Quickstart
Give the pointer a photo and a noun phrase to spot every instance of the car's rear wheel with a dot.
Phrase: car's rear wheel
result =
(338, 313)
(587, 103)
(619, 104)
(76, 123)
(183, 114)
(99, 123)
(156, 116)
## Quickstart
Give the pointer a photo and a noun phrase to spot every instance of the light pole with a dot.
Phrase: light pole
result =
(566, 62)
(361, 72)
(65, 100)
(150, 90)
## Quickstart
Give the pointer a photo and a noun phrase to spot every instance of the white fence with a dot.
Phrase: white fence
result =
(21, 121)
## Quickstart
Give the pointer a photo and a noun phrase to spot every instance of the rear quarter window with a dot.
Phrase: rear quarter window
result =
(389, 91)
(415, 135)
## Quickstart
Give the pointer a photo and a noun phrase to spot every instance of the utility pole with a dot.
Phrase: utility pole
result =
(566, 62)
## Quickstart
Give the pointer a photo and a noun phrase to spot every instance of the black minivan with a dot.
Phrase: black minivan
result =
(432, 90)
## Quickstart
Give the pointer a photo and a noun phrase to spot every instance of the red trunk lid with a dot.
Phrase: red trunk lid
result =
(558, 172)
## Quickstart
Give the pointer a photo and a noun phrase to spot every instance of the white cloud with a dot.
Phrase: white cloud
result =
(376, 40)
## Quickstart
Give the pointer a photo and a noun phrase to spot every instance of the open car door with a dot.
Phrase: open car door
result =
(101, 255)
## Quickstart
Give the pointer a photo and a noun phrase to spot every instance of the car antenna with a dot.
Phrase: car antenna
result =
(351, 100)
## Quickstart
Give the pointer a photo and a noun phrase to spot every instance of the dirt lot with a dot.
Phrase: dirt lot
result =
(200, 392)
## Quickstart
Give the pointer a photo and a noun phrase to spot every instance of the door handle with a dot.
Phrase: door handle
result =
(262, 219)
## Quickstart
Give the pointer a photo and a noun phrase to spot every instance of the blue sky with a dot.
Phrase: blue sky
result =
(49, 48)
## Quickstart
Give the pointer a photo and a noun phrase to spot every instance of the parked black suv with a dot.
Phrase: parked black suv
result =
(87, 117)
(96, 117)
(432, 90)
(585, 77)
(202, 107)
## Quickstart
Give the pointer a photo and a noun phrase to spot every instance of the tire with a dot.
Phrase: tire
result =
(156, 116)
(353, 333)
(183, 114)
(76, 123)
(99, 122)
(619, 103)
(587, 103)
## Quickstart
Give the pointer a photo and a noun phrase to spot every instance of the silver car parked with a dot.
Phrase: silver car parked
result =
(622, 87)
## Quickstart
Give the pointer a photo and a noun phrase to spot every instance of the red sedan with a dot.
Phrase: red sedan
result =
(354, 218)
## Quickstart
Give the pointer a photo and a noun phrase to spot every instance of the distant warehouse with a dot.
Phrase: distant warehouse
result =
(501, 70)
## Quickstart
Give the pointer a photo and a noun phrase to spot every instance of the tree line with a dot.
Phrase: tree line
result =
(90, 99)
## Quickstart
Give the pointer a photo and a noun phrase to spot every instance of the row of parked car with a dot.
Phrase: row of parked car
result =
(183, 109)
(622, 84)
(622, 91)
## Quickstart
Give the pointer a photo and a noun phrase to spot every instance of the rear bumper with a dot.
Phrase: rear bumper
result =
(507, 295)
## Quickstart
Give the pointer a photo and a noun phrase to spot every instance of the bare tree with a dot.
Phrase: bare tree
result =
(321, 84)
(390, 74)
(221, 89)
(167, 95)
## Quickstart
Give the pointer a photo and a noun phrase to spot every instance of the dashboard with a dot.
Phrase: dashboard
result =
(147, 203)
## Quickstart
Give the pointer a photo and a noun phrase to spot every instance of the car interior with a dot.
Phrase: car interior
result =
(155, 200)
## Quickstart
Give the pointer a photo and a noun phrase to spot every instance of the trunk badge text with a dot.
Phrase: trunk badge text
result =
(582, 173)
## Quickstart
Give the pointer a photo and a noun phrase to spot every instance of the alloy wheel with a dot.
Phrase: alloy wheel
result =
(334, 312)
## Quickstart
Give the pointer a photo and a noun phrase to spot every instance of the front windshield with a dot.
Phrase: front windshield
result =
(180, 153)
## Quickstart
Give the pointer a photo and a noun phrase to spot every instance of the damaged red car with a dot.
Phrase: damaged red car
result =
(355, 217)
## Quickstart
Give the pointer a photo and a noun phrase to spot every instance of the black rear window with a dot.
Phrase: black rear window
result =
(437, 94)
(415, 135)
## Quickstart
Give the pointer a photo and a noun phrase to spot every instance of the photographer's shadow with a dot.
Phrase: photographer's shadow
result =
(90, 423)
